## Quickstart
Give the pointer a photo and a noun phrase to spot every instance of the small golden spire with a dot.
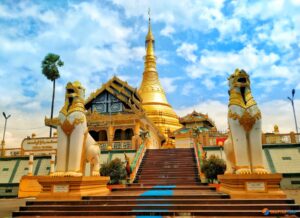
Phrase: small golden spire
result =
(149, 36)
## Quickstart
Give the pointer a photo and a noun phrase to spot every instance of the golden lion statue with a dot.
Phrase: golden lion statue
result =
(75, 145)
(243, 148)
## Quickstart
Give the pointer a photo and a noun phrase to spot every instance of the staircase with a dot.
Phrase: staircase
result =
(168, 167)
(167, 184)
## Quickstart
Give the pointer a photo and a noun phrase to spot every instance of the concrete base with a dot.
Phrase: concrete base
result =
(252, 186)
(71, 188)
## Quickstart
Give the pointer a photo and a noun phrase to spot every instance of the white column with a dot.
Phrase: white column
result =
(30, 165)
(52, 163)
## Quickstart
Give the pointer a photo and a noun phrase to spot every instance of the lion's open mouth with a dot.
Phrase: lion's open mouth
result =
(242, 80)
(70, 99)
(242, 89)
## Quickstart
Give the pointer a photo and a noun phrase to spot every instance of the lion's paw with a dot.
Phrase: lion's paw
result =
(95, 173)
(73, 174)
(243, 171)
(260, 171)
(57, 174)
(228, 172)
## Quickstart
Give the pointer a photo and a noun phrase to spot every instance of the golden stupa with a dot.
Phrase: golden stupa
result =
(154, 99)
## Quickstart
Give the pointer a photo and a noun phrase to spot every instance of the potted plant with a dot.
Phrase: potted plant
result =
(212, 167)
(115, 169)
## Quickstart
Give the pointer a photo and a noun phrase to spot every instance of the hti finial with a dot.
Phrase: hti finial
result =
(149, 14)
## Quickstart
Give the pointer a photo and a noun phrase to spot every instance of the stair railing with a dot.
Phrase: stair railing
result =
(135, 165)
(199, 153)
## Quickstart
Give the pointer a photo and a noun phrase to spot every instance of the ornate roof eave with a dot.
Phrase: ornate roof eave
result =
(190, 118)
(110, 86)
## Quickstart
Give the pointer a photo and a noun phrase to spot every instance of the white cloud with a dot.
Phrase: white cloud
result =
(187, 88)
(280, 18)
(199, 15)
(257, 62)
(186, 50)
(167, 31)
(208, 83)
(168, 84)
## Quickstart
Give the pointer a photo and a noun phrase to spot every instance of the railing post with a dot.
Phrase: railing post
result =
(263, 139)
(293, 137)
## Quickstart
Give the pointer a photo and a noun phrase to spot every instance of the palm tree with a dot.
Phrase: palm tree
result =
(50, 66)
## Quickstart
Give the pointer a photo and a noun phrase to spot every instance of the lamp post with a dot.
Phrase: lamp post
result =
(292, 102)
(3, 140)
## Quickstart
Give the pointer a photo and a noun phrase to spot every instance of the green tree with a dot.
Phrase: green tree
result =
(115, 170)
(50, 66)
(212, 167)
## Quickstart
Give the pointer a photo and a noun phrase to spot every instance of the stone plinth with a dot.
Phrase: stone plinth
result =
(70, 187)
(252, 186)
(29, 187)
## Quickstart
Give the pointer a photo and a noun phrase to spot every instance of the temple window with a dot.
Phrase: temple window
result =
(128, 134)
(118, 135)
(102, 135)
(95, 135)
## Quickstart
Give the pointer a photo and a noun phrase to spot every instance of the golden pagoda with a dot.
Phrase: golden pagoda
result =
(154, 99)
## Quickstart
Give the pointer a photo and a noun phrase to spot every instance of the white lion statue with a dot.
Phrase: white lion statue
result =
(243, 148)
(75, 145)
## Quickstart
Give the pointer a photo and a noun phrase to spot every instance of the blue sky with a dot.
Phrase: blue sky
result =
(198, 45)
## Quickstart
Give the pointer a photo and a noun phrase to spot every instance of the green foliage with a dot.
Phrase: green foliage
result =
(50, 66)
(212, 167)
(115, 170)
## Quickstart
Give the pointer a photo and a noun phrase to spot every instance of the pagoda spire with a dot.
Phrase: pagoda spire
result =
(153, 95)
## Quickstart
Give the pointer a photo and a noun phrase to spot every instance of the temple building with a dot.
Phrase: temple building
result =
(193, 124)
(116, 118)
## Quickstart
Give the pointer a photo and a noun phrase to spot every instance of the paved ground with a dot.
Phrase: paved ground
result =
(294, 194)
(7, 206)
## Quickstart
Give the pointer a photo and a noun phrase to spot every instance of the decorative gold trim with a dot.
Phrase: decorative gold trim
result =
(246, 120)
(241, 167)
(258, 167)
(237, 99)
(68, 127)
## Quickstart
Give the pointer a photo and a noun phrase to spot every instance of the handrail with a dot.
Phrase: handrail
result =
(134, 166)
(198, 152)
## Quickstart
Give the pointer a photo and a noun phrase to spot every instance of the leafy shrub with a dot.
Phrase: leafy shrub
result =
(115, 169)
(212, 167)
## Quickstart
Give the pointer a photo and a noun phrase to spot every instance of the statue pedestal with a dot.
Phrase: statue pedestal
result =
(72, 187)
(252, 186)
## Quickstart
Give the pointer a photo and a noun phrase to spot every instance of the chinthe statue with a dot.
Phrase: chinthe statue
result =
(243, 148)
(75, 145)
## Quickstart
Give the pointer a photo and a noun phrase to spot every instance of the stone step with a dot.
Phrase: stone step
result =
(140, 200)
(167, 166)
(179, 178)
(215, 195)
(165, 176)
(166, 183)
(126, 207)
(186, 169)
(148, 212)
(183, 185)
(154, 188)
